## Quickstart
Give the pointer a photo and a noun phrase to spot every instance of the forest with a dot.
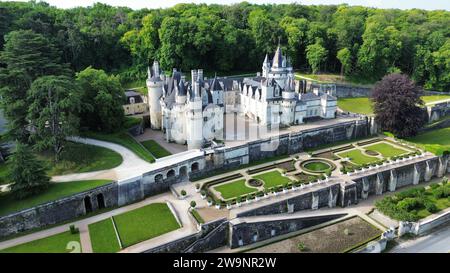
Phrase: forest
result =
(357, 41)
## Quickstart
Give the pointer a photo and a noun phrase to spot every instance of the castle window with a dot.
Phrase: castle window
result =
(132, 101)
(205, 119)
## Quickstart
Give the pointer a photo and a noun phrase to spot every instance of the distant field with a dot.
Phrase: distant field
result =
(364, 106)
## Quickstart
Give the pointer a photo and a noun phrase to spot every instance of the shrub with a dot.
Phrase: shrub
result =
(409, 204)
(193, 204)
(431, 207)
(203, 192)
(73, 229)
(441, 192)
(238, 199)
(210, 200)
(197, 186)
(301, 246)
(183, 193)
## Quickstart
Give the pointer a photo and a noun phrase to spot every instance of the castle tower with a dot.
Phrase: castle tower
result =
(266, 66)
(194, 118)
(155, 90)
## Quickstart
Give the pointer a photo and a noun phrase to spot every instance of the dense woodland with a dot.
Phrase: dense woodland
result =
(357, 41)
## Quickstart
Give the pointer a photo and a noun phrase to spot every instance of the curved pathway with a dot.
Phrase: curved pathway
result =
(131, 164)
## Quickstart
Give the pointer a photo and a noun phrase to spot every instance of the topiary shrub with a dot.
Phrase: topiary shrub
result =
(193, 204)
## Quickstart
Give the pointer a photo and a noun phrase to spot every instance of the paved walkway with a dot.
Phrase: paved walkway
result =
(436, 242)
(131, 163)
(180, 207)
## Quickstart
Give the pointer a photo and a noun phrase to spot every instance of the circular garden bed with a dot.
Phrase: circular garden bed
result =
(372, 152)
(255, 182)
(317, 166)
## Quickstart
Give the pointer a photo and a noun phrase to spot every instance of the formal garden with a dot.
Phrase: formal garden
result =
(132, 227)
(416, 203)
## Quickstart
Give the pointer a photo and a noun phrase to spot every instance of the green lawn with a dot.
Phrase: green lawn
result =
(4, 169)
(78, 158)
(385, 149)
(356, 105)
(52, 244)
(272, 179)
(234, 189)
(428, 99)
(124, 139)
(436, 141)
(357, 157)
(103, 237)
(145, 223)
(8, 204)
(364, 106)
(131, 122)
(157, 150)
(317, 166)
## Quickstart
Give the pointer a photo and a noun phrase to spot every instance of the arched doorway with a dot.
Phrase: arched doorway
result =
(158, 178)
(100, 201)
(170, 173)
(183, 171)
(194, 167)
(87, 204)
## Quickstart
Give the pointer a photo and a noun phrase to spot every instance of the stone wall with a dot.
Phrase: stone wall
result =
(212, 235)
(438, 111)
(58, 211)
(349, 91)
(244, 233)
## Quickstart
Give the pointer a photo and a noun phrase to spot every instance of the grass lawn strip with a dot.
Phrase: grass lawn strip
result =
(435, 141)
(52, 244)
(157, 150)
(237, 188)
(8, 204)
(385, 149)
(273, 179)
(103, 237)
(356, 105)
(356, 156)
(145, 223)
(124, 139)
(433, 98)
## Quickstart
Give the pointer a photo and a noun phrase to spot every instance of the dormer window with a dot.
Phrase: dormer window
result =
(132, 101)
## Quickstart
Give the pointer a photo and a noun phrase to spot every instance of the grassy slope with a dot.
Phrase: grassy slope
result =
(428, 99)
(272, 179)
(234, 189)
(78, 158)
(357, 157)
(385, 149)
(145, 223)
(124, 139)
(9, 204)
(436, 141)
(157, 150)
(103, 237)
(4, 169)
(52, 244)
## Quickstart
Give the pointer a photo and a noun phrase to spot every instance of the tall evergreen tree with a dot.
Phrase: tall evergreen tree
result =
(26, 57)
(53, 113)
(27, 173)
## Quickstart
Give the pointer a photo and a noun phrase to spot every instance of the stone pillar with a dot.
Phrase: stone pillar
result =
(365, 188)
(315, 201)
(442, 166)
(379, 184)
(332, 198)
(428, 171)
(393, 180)
(416, 176)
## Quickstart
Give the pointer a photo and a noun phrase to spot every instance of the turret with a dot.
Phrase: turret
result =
(266, 66)
(154, 86)
(195, 116)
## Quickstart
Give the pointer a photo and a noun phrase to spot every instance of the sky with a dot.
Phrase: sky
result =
(138, 4)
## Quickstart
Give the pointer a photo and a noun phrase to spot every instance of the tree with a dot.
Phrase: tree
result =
(345, 57)
(53, 113)
(26, 56)
(316, 55)
(102, 98)
(27, 173)
(397, 105)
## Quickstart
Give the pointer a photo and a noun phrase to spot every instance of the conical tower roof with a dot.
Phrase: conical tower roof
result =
(278, 57)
